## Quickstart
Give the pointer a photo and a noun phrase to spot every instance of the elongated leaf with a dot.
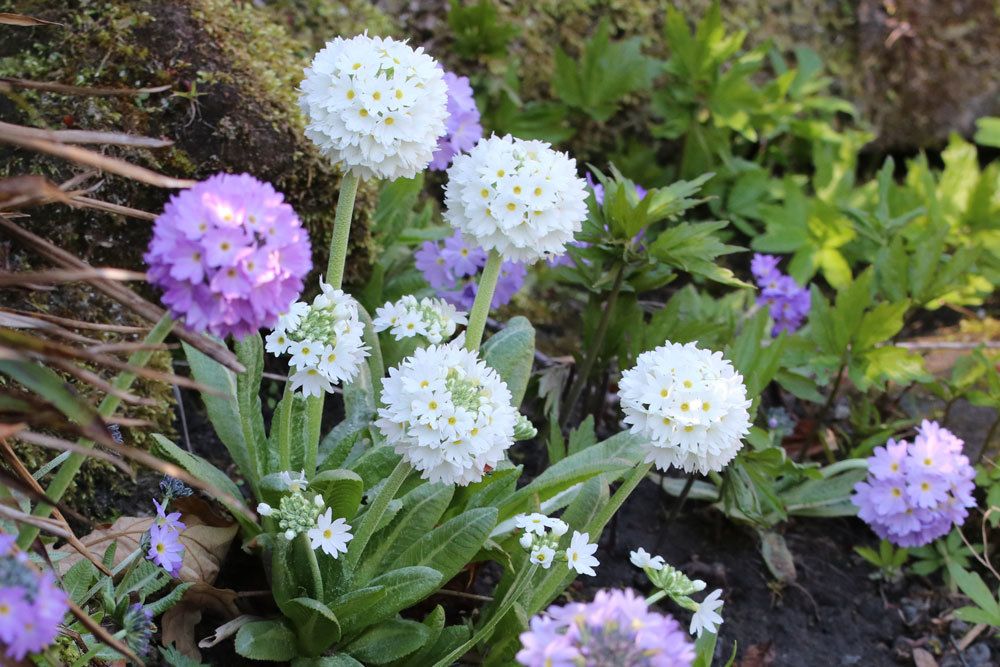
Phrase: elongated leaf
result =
(250, 352)
(355, 603)
(403, 588)
(266, 640)
(388, 641)
(511, 352)
(315, 625)
(375, 465)
(341, 489)
(434, 622)
(450, 546)
(223, 406)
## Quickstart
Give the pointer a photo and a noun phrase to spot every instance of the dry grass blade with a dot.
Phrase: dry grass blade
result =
(18, 137)
(19, 321)
(50, 526)
(128, 211)
(56, 276)
(78, 324)
(66, 89)
(102, 634)
(122, 294)
(28, 189)
(7, 18)
(99, 383)
(52, 442)
(86, 137)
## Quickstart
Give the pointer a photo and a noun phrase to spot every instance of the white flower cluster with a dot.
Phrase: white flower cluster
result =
(324, 340)
(541, 537)
(296, 514)
(520, 198)
(679, 587)
(434, 319)
(448, 414)
(375, 104)
(690, 403)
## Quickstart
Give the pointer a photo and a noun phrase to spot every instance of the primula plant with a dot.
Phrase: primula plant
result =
(737, 312)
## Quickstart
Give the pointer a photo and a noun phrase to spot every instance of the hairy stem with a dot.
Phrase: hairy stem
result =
(484, 298)
(376, 509)
(341, 230)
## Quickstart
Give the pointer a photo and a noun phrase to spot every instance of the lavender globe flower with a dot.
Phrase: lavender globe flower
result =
(615, 630)
(229, 255)
(32, 606)
(787, 301)
(452, 268)
(462, 126)
(915, 492)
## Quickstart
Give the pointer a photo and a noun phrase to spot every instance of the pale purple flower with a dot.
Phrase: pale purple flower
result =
(32, 606)
(787, 301)
(452, 268)
(229, 255)
(915, 492)
(462, 126)
(165, 548)
(172, 520)
(615, 630)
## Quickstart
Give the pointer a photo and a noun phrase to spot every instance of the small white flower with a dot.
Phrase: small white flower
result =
(641, 559)
(434, 319)
(532, 523)
(329, 535)
(289, 534)
(580, 554)
(264, 509)
(310, 382)
(318, 501)
(375, 105)
(689, 403)
(305, 353)
(526, 540)
(293, 483)
(447, 413)
(558, 527)
(543, 555)
(698, 585)
(277, 342)
(520, 198)
(706, 618)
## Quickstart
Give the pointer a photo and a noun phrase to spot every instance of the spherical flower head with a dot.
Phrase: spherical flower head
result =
(229, 255)
(325, 340)
(689, 403)
(615, 630)
(434, 319)
(462, 125)
(520, 198)
(32, 606)
(916, 492)
(448, 414)
(375, 105)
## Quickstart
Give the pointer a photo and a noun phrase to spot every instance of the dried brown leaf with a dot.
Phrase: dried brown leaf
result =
(923, 658)
(29, 189)
(7, 18)
(204, 546)
(178, 623)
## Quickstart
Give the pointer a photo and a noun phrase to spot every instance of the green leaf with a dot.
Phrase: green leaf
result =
(582, 436)
(988, 132)
(434, 622)
(206, 472)
(353, 604)
(315, 625)
(79, 579)
(388, 641)
(223, 405)
(450, 546)
(250, 353)
(880, 324)
(266, 640)
(511, 353)
(403, 588)
(341, 489)
(169, 600)
(338, 660)
(694, 247)
(972, 585)
(374, 465)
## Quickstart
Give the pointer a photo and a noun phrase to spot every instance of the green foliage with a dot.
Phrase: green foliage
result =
(986, 606)
(888, 559)
(603, 75)
(944, 554)
(477, 29)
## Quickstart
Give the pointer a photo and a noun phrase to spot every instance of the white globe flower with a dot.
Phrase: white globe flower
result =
(690, 403)
(324, 339)
(376, 105)
(448, 414)
(520, 198)
(434, 319)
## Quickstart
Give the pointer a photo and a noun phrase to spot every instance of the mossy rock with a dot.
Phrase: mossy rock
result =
(234, 69)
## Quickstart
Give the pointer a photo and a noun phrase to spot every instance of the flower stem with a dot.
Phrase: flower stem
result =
(376, 509)
(62, 480)
(621, 494)
(315, 578)
(594, 349)
(484, 298)
(341, 230)
(285, 430)
(656, 597)
(518, 587)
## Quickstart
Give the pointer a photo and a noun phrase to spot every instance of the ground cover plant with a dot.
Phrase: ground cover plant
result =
(581, 362)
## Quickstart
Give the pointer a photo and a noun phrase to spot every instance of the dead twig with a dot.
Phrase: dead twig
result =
(66, 89)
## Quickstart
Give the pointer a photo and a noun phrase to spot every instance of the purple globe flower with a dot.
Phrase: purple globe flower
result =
(615, 630)
(915, 492)
(229, 255)
(462, 126)
(452, 268)
(32, 606)
(787, 301)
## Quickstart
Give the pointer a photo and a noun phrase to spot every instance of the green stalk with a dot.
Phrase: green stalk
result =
(285, 430)
(315, 580)
(618, 499)
(374, 514)
(341, 230)
(518, 587)
(62, 480)
(484, 298)
(314, 422)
